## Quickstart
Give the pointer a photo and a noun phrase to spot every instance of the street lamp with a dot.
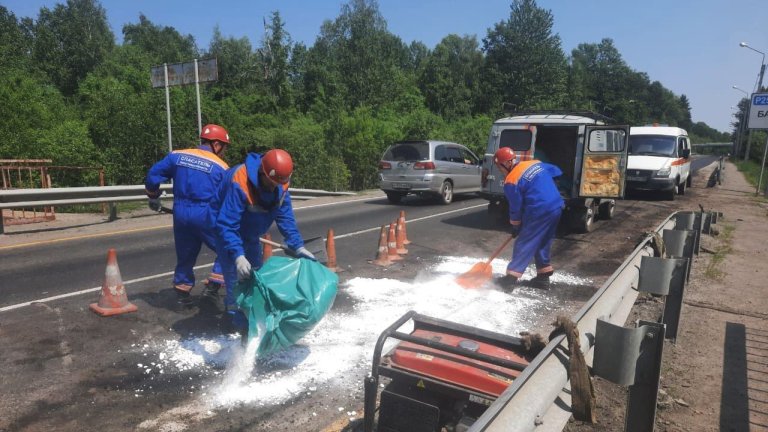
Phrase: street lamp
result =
(740, 132)
(762, 64)
(743, 128)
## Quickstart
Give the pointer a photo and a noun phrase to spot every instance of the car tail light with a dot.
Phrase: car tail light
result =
(484, 177)
(385, 165)
(424, 165)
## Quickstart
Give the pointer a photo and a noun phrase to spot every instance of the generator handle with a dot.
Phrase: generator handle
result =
(371, 383)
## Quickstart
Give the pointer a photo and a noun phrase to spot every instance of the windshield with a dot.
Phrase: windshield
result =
(652, 145)
(411, 151)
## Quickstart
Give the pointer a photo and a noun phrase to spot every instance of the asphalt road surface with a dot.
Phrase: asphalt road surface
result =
(67, 369)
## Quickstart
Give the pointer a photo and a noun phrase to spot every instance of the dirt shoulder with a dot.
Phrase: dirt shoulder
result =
(715, 377)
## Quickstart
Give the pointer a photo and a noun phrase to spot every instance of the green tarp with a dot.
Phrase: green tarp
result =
(286, 298)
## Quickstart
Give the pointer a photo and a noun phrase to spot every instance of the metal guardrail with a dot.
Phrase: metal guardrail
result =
(30, 198)
(540, 398)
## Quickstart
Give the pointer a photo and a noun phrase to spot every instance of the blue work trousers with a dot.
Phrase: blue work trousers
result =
(191, 228)
(535, 241)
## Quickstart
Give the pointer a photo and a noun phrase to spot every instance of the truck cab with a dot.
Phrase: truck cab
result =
(591, 154)
(659, 160)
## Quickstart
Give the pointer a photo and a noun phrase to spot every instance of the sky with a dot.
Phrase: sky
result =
(690, 46)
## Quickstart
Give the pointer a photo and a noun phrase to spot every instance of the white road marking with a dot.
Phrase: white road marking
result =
(146, 278)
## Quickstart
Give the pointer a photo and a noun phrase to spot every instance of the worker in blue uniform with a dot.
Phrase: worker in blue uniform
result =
(197, 174)
(535, 206)
(252, 197)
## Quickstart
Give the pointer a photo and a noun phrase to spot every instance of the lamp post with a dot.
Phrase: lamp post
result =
(743, 127)
(740, 132)
(759, 88)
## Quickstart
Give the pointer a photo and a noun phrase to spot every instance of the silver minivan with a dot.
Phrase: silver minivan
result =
(436, 168)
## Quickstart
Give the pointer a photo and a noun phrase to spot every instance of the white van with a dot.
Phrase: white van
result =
(659, 160)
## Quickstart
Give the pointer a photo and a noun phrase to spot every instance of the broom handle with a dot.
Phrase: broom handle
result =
(501, 248)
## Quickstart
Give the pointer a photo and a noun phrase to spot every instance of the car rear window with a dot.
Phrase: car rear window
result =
(410, 151)
(516, 139)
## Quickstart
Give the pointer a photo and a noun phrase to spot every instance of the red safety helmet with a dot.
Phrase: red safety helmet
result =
(213, 132)
(277, 165)
(504, 154)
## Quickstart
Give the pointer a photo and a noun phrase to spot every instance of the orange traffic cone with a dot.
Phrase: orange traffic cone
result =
(392, 244)
(113, 300)
(330, 250)
(382, 258)
(400, 238)
(267, 252)
(401, 220)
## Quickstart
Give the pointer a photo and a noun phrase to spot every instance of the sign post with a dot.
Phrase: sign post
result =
(183, 74)
(758, 119)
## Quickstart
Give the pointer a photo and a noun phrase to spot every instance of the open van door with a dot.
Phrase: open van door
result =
(604, 162)
(520, 138)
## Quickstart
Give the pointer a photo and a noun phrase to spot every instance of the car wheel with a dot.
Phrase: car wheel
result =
(584, 219)
(395, 197)
(606, 209)
(689, 180)
(681, 188)
(446, 192)
(670, 194)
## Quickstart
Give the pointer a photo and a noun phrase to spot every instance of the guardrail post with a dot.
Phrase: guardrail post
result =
(665, 276)
(632, 357)
(112, 212)
(679, 244)
(687, 221)
(2, 223)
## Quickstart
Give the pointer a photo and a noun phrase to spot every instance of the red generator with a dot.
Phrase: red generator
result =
(440, 376)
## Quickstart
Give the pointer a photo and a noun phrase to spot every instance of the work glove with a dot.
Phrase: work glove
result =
(154, 204)
(302, 252)
(243, 268)
(515, 230)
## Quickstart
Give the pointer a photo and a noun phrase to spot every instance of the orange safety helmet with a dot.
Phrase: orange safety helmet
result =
(504, 154)
(213, 132)
(277, 165)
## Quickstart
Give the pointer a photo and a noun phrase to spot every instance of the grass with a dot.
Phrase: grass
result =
(751, 170)
(97, 208)
(713, 270)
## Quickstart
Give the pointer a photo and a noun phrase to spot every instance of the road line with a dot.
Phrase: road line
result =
(42, 242)
(146, 278)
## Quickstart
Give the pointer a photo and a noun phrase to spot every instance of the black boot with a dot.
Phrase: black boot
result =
(507, 282)
(183, 301)
(211, 292)
(542, 280)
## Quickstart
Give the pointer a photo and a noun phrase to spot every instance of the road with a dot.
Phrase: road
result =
(67, 369)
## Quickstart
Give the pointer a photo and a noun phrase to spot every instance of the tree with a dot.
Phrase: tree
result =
(275, 61)
(525, 64)
(163, 44)
(70, 41)
(450, 81)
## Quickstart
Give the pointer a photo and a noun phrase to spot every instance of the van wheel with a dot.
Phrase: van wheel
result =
(670, 194)
(689, 180)
(606, 209)
(395, 197)
(446, 192)
(681, 188)
(584, 219)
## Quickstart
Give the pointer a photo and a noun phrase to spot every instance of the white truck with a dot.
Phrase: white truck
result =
(591, 154)
(659, 160)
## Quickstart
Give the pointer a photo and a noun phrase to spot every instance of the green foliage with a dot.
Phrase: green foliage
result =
(450, 80)
(162, 44)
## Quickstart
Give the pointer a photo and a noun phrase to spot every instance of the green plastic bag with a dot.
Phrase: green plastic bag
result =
(286, 298)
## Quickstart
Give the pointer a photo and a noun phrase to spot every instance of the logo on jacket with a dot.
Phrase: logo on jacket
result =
(195, 163)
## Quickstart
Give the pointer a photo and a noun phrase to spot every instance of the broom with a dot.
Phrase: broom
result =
(481, 272)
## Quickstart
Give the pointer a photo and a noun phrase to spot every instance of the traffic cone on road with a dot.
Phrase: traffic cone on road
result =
(400, 238)
(382, 258)
(330, 250)
(392, 244)
(113, 300)
(267, 251)
(401, 221)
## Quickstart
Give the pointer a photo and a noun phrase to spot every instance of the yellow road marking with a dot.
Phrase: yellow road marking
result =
(106, 234)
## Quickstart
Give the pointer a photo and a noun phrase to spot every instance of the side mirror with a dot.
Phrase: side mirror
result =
(686, 153)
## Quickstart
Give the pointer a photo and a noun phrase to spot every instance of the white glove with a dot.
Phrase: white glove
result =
(304, 253)
(154, 204)
(243, 268)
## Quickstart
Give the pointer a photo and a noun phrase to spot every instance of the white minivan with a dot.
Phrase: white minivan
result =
(659, 160)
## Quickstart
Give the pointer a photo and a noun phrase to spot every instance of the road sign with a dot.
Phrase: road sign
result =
(758, 111)
(184, 73)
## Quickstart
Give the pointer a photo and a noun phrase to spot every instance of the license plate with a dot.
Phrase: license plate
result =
(401, 185)
(635, 178)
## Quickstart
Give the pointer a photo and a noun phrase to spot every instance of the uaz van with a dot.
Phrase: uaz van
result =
(659, 160)
(591, 154)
